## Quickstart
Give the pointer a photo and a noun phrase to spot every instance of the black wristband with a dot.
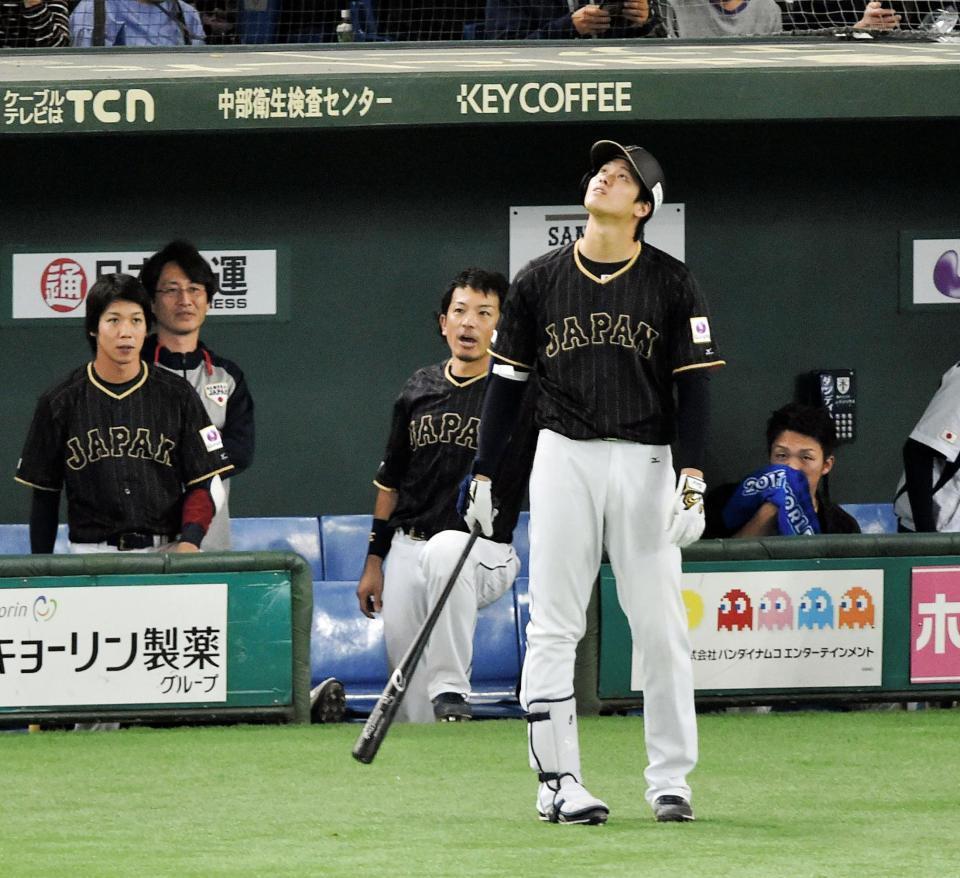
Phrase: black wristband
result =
(381, 535)
(192, 533)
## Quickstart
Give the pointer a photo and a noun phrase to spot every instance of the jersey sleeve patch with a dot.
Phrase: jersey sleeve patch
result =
(700, 330)
(212, 440)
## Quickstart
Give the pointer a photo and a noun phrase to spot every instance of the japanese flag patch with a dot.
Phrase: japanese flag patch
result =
(218, 392)
(211, 437)
(700, 329)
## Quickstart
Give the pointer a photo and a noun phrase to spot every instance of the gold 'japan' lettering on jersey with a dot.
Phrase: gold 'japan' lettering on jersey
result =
(603, 330)
(447, 428)
(118, 443)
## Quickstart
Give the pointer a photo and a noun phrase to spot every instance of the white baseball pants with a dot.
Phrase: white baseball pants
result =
(584, 495)
(415, 573)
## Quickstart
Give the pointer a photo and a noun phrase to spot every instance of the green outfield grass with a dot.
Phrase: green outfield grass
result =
(812, 794)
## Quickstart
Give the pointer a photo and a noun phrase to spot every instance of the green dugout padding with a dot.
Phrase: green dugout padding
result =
(268, 613)
(895, 556)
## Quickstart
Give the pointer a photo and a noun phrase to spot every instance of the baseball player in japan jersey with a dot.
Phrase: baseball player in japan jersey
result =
(131, 444)
(433, 439)
(611, 326)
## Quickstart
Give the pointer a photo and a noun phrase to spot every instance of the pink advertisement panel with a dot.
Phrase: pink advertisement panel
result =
(935, 625)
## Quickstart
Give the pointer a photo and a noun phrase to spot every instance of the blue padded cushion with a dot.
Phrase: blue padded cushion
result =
(873, 518)
(300, 535)
(343, 642)
(496, 651)
(521, 542)
(345, 542)
(521, 596)
(14, 539)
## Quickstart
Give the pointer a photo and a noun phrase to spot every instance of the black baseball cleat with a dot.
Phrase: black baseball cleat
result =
(451, 707)
(328, 702)
(672, 809)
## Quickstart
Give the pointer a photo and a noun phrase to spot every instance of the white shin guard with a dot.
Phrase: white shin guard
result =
(555, 756)
(553, 740)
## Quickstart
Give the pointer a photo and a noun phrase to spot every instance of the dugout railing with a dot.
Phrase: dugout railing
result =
(867, 617)
(158, 637)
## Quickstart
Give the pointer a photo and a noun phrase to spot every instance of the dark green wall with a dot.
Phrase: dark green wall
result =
(792, 228)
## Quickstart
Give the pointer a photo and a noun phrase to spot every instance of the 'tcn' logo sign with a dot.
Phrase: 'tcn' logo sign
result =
(106, 105)
(492, 98)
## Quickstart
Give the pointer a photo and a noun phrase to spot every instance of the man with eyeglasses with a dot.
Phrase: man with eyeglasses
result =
(181, 285)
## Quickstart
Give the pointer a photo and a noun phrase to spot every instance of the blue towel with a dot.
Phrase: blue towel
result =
(786, 488)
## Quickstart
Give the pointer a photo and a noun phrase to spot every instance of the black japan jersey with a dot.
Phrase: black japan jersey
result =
(125, 458)
(433, 439)
(606, 350)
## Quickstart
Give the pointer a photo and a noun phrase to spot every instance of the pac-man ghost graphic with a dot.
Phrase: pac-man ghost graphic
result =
(816, 610)
(856, 609)
(735, 611)
(775, 611)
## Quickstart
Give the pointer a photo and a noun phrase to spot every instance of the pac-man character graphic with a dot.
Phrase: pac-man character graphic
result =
(735, 611)
(775, 611)
(816, 610)
(694, 605)
(856, 609)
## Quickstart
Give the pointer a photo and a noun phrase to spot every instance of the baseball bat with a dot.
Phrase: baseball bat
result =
(381, 717)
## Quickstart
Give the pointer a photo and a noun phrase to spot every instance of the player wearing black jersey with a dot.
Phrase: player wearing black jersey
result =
(433, 439)
(609, 325)
(131, 444)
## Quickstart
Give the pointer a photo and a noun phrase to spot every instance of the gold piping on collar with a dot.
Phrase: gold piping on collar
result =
(95, 381)
(609, 277)
(448, 374)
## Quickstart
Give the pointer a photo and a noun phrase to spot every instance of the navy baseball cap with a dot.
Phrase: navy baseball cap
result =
(644, 165)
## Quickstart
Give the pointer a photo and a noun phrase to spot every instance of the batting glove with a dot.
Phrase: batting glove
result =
(475, 504)
(688, 520)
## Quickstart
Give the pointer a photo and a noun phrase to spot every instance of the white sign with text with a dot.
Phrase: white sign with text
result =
(537, 230)
(112, 645)
(55, 285)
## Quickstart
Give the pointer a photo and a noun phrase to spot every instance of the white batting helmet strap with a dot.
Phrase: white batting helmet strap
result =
(645, 166)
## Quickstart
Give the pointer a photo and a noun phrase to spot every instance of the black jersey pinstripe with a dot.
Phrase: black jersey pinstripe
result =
(124, 457)
(605, 349)
(433, 439)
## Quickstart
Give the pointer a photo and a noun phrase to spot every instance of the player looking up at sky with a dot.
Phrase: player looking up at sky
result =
(610, 326)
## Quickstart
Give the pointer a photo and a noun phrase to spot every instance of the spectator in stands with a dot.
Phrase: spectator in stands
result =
(693, 19)
(29, 24)
(555, 19)
(812, 15)
(928, 496)
(789, 496)
(181, 286)
(135, 23)
(432, 443)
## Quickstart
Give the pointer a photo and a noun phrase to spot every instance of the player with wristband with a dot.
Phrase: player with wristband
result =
(131, 445)
(417, 533)
(611, 327)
